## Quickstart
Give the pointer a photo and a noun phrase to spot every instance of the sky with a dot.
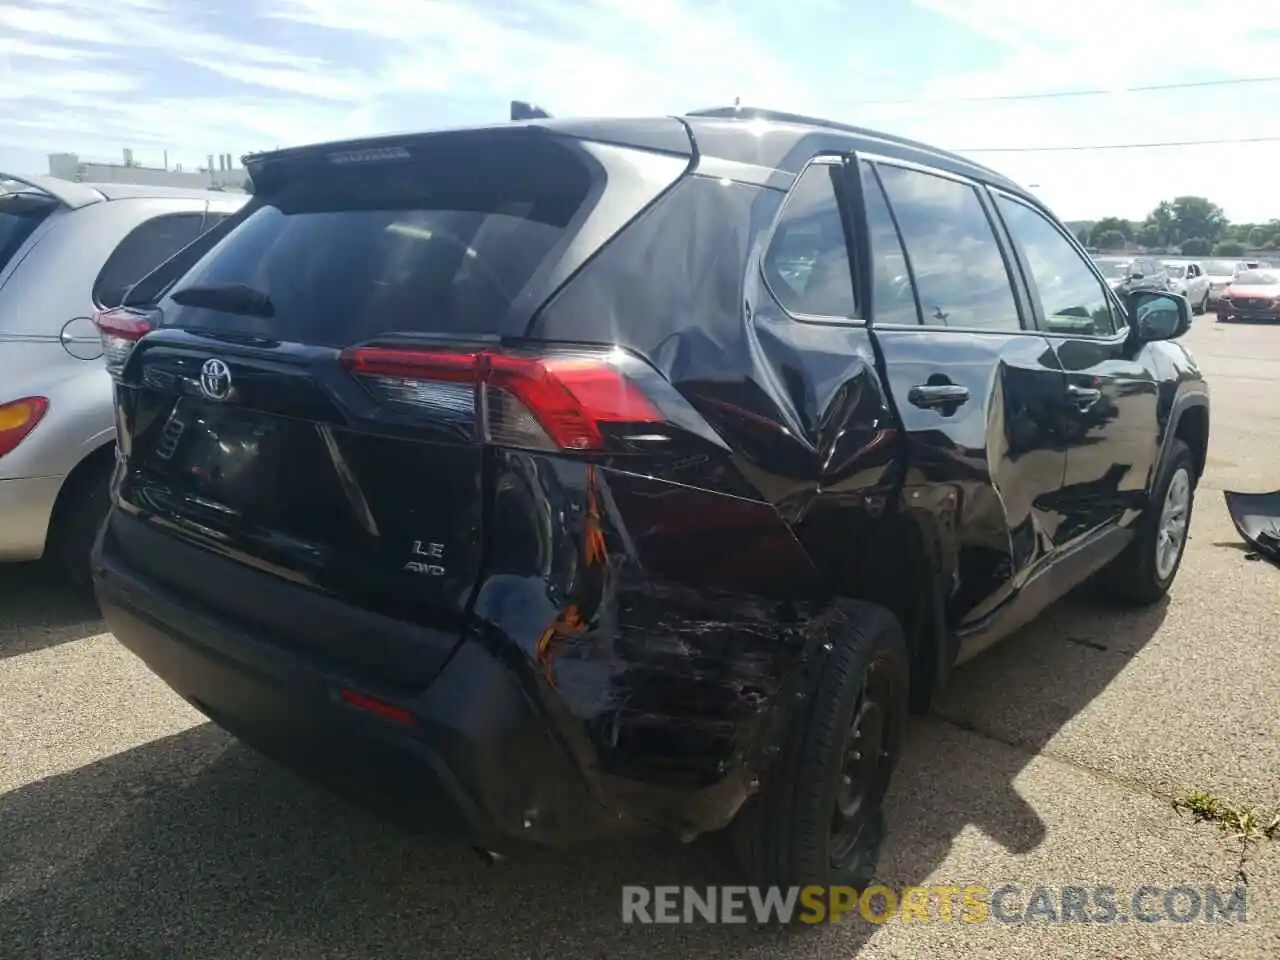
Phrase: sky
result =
(193, 78)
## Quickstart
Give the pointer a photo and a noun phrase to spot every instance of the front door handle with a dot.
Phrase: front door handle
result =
(1083, 397)
(935, 396)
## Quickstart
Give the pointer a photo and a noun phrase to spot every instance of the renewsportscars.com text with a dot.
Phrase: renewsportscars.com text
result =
(976, 903)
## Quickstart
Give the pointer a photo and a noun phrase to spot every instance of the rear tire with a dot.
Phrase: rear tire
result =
(1144, 571)
(82, 510)
(818, 817)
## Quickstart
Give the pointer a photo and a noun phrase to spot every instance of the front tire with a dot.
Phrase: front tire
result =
(1144, 571)
(818, 818)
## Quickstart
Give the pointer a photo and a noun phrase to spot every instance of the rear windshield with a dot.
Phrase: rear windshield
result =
(20, 214)
(442, 242)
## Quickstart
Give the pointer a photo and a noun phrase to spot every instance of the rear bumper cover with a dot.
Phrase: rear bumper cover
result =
(475, 762)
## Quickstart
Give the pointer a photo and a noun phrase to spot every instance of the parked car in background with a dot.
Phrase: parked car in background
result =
(1221, 273)
(1187, 277)
(1128, 274)
(1252, 295)
(573, 476)
(66, 250)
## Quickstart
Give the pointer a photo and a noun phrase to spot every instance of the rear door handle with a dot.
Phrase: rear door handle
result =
(934, 396)
(1083, 397)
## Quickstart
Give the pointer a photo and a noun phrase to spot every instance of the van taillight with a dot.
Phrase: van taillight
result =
(119, 330)
(558, 401)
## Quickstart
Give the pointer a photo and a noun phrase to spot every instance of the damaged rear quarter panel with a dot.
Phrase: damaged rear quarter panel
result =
(662, 628)
(667, 610)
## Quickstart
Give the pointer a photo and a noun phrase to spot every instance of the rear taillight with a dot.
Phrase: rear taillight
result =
(563, 401)
(18, 418)
(119, 330)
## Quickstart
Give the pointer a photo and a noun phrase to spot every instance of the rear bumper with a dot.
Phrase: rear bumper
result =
(469, 757)
(26, 507)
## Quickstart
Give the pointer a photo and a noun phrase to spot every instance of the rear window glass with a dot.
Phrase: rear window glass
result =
(146, 247)
(442, 242)
(20, 214)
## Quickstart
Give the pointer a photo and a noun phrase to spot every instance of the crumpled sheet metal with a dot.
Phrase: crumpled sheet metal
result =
(1257, 518)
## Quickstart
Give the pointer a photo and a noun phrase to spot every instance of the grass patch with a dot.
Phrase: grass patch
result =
(1238, 822)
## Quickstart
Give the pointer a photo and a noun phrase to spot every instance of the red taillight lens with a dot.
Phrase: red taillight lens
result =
(534, 402)
(18, 418)
(377, 707)
(119, 330)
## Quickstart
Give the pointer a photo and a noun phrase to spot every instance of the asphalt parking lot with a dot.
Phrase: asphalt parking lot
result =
(129, 827)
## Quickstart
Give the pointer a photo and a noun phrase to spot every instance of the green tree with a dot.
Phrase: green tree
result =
(1112, 225)
(1149, 236)
(1197, 217)
(1083, 237)
(1195, 247)
(1274, 242)
(1109, 240)
(1257, 237)
(1229, 248)
(1162, 218)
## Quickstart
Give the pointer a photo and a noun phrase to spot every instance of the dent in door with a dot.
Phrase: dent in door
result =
(997, 456)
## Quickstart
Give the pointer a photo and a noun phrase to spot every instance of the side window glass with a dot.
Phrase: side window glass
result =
(1072, 299)
(892, 297)
(959, 272)
(807, 263)
(145, 248)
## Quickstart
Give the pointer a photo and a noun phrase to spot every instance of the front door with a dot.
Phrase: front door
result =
(1112, 394)
(976, 390)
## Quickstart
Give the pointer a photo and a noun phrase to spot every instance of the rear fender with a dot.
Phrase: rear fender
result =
(662, 629)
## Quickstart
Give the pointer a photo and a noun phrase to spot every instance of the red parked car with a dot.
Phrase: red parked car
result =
(1252, 295)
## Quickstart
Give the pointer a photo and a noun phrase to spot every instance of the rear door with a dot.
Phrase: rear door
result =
(977, 388)
(1111, 388)
(309, 404)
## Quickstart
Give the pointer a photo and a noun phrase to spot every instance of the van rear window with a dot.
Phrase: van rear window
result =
(442, 240)
(20, 214)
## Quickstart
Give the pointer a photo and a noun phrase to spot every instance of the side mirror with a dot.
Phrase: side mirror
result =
(1156, 315)
(1135, 276)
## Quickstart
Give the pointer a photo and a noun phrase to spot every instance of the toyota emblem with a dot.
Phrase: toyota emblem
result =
(215, 379)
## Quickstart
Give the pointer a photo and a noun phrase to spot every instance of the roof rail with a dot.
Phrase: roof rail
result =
(66, 192)
(781, 116)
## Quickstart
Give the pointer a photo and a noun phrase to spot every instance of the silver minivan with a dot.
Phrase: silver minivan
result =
(68, 250)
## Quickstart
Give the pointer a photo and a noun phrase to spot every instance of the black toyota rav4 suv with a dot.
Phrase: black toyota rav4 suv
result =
(558, 477)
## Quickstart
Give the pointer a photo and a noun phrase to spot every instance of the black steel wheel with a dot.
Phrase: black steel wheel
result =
(818, 817)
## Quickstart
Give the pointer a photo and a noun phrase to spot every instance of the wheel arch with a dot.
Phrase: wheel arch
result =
(902, 561)
(1192, 428)
(1189, 422)
(100, 458)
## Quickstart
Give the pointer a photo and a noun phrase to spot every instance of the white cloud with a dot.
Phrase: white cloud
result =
(174, 75)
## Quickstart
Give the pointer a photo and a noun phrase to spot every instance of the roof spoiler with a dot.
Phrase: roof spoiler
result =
(67, 192)
(520, 110)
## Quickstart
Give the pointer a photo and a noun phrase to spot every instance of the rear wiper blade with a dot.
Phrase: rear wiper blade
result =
(228, 297)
